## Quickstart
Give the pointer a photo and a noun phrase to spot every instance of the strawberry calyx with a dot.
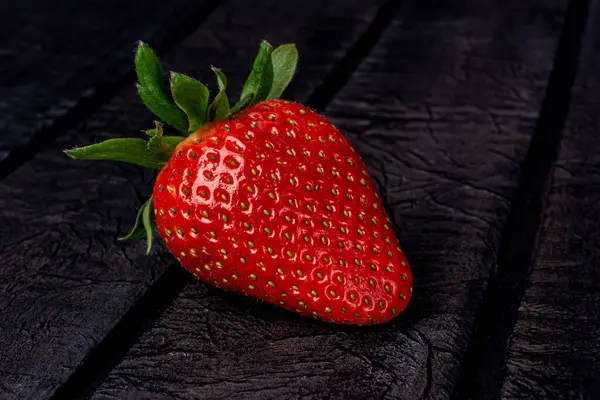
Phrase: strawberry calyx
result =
(187, 110)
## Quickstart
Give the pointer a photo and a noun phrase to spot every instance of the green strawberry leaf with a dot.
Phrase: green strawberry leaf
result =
(131, 150)
(266, 82)
(192, 97)
(151, 91)
(261, 77)
(284, 60)
(145, 225)
(157, 131)
(163, 145)
(219, 108)
(147, 66)
(221, 78)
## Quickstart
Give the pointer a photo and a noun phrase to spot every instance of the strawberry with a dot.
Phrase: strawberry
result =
(266, 198)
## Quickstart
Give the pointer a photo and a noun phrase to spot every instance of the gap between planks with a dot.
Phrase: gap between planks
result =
(110, 351)
(484, 365)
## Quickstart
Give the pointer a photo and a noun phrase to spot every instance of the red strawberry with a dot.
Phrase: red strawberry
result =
(268, 199)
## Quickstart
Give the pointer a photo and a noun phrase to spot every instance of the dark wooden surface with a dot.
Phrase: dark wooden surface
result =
(442, 112)
(457, 106)
(56, 56)
(65, 281)
(555, 348)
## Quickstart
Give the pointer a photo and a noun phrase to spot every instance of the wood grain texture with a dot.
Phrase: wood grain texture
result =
(65, 281)
(555, 348)
(442, 111)
(54, 55)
